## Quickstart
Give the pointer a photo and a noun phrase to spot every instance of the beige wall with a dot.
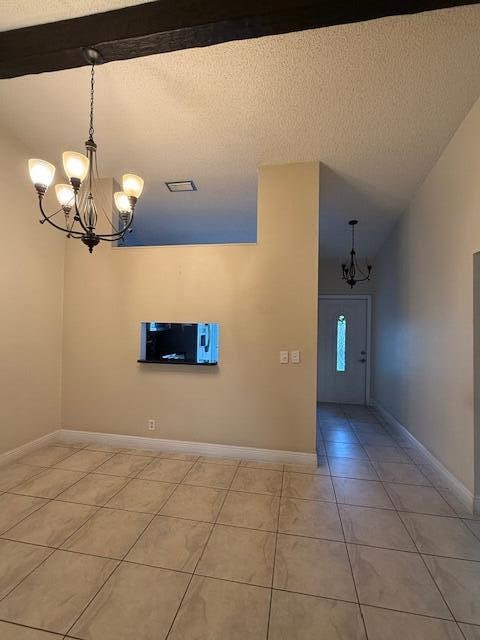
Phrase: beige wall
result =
(424, 307)
(264, 298)
(31, 285)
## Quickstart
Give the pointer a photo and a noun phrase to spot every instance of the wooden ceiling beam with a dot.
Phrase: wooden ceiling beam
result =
(171, 25)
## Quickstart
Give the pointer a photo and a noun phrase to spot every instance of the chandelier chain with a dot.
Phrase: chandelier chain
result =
(92, 92)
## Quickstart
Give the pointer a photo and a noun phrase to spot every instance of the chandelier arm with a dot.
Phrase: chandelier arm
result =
(52, 215)
(359, 270)
(356, 269)
(96, 176)
(120, 237)
(110, 222)
(106, 236)
(78, 234)
(114, 237)
(120, 234)
(75, 233)
(47, 219)
(78, 217)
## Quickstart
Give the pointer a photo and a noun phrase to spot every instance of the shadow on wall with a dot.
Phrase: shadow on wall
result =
(195, 227)
(342, 198)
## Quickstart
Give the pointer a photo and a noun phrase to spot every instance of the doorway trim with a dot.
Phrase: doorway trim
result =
(368, 299)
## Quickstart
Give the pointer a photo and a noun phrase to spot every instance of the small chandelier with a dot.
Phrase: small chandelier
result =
(351, 270)
(76, 199)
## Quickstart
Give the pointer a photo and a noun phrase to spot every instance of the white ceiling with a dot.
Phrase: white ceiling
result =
(376, 102)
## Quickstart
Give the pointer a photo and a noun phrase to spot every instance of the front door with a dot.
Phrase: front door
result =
(342, 350)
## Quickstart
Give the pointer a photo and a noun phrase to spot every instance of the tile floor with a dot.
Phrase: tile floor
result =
(104, 544)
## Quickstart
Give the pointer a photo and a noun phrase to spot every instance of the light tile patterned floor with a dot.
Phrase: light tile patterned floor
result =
(104, 544)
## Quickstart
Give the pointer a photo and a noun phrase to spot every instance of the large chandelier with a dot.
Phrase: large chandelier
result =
(351, 271)
(77, 198)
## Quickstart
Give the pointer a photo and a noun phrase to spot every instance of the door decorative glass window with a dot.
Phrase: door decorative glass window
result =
(341, 343)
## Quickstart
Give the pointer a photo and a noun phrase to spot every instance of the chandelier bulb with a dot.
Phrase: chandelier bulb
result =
(132, 185)
(75, 165)
(41, 173)
(65, 195)
(122, 202)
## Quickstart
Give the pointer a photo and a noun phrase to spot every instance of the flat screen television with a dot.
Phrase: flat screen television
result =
(179, 343)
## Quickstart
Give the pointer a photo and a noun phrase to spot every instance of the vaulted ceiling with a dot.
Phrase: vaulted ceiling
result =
(375, 102)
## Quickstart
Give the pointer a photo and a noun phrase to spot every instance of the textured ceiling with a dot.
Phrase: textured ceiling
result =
(15, 14)
(376, 102)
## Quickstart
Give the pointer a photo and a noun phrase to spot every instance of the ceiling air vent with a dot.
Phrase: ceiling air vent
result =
(181, 185)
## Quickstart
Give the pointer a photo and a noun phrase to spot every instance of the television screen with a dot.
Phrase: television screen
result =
(179, 343)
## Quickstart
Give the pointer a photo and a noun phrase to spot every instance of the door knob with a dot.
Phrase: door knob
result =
(363, 359)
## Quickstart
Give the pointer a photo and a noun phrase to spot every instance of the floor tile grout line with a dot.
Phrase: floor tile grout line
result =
(172, 494)
(59, 496)
(111, 574)
(131, 476)
(385, 487)
(428, 570)
(350, 564)
(98, 508)
(272, 582)
(40, 469)
(220, 524)
(28, 515)
(477, 535)
(127, 480)
(82, 470)
(26, 626)
(201, 554)
(418, 615)
(136, 475)
(27, 575)
(438, 488)
(431, 575)
(49, 500)
(118, 563)
(54, 549)
(301, 593)
(18, 493)
(423, 561)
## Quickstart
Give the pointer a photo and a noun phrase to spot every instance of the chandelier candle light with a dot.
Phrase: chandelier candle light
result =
(351, 270)
(77, 197)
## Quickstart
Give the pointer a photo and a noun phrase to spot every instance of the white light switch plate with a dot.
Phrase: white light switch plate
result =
(295, 357)
(283, 357)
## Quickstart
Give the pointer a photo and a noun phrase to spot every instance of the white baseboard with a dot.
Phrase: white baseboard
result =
(14, 454)
(199, 448)
(465, 496)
